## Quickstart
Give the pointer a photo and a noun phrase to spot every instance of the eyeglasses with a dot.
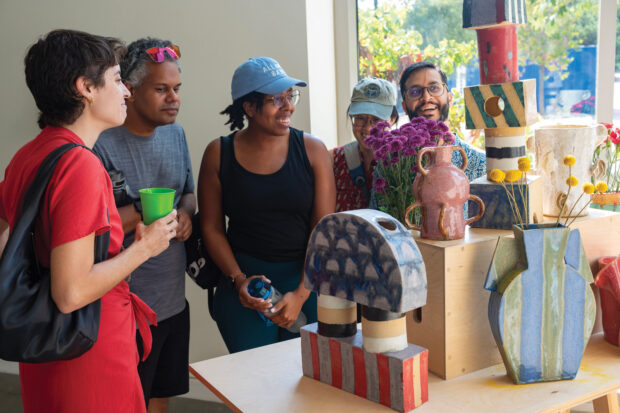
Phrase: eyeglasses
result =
(157, 53)
(280, 100)
(416, 92)
(363, 120)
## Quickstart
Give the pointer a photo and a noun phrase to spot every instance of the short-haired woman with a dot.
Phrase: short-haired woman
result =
(274, 183)
(75, 80)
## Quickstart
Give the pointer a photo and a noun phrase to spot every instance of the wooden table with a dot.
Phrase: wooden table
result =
(269, 379)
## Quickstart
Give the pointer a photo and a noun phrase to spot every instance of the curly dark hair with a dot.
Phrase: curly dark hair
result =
(133, 64)
(236, 113)
(55, 62)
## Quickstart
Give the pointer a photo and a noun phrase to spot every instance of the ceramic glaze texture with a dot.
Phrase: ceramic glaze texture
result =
(608, 282)
(608, 201)
(398, 380)
(368, 257)
(541, 308)
(441, 190)
(552, 144)
(484, 13)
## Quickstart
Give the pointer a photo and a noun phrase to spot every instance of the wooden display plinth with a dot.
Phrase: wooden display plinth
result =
(454, 324)
(498, 214)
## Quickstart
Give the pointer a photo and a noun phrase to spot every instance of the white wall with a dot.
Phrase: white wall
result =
(214, 37)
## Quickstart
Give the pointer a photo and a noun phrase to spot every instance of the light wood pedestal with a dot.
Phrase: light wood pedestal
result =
(270, 379)
(454, 325)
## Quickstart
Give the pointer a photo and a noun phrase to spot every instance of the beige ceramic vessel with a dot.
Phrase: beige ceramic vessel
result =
(552, 143)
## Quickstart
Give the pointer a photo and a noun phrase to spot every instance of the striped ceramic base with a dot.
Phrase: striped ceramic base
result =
(398, 380)
(541, 308)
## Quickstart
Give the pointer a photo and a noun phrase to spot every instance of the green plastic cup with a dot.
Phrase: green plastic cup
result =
(156, 203)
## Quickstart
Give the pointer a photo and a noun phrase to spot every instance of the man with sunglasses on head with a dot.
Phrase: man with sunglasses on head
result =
(425, 93)
(150, 150)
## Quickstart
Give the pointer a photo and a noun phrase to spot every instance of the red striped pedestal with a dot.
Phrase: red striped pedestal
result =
(398, 380)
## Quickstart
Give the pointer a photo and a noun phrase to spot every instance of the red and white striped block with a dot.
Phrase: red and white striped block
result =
(398, 380)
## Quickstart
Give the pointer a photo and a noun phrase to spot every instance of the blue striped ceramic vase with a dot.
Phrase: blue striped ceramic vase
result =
(541, 308)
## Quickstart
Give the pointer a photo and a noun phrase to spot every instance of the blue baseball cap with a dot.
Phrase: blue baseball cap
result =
(261, 74)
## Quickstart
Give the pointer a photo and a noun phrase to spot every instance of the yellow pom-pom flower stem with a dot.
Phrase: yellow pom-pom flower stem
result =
(601, 187)
(524, 164)
(569, 160)
(497, 175)
(572, 181)
(588, 188)
(513, 175)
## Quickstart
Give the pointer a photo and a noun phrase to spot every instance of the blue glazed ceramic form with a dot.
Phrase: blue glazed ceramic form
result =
(541, 308)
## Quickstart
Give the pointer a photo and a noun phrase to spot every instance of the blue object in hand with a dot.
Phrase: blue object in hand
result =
(258, 288)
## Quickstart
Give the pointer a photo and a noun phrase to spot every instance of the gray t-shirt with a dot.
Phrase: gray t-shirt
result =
(160, 161)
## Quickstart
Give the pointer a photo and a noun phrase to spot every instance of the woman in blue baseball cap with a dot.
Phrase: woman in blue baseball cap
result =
(373, 100)
(274, 183)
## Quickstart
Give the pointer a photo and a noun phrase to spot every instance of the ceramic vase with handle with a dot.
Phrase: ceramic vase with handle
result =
(441, 190)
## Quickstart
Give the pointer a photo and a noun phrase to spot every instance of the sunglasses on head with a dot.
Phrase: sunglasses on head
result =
(157, 53)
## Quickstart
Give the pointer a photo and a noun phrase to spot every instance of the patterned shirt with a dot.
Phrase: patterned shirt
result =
(476, 159)
(348, 195)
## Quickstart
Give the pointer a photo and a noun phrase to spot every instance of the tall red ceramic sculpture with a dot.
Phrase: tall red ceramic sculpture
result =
(502, 105)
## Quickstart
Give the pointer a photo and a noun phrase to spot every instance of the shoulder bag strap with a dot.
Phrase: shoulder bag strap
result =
(20, 234)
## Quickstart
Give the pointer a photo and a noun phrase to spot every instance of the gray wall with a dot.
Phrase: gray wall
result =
(215, 37)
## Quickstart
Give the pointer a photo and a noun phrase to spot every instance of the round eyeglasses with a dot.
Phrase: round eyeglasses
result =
(280, 100)
(435, 90)
(363, 120)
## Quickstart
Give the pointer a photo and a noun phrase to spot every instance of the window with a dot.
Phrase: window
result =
(557, 47)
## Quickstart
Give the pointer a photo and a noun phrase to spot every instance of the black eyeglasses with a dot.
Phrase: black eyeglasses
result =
(279, 100)
(416, 92)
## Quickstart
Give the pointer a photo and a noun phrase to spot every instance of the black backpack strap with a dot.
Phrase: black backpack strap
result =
(226, 158)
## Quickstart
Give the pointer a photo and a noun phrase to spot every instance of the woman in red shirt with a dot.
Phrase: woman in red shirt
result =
(75, 80)
(373, 100)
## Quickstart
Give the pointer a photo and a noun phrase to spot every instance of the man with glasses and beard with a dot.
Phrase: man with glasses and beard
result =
(150, 150)
(425, 93)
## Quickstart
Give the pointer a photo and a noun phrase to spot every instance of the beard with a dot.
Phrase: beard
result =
(444, 111)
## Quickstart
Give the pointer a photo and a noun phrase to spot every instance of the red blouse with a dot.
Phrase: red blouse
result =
(348, 195)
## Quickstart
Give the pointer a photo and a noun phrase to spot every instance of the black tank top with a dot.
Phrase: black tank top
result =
(268, 215)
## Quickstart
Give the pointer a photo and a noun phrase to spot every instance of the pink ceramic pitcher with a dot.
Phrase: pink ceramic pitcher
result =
(441, 191)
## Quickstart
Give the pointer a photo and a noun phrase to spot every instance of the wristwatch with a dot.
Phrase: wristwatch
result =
(137, 204)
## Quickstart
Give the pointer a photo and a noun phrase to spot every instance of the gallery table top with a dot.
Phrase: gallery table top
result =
(270, 379)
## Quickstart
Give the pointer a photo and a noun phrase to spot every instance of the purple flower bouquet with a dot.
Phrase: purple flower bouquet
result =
(395, 152)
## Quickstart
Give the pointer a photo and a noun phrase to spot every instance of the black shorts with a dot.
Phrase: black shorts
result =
(165, 372)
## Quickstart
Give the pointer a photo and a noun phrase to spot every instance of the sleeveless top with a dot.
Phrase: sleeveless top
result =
(269, 216)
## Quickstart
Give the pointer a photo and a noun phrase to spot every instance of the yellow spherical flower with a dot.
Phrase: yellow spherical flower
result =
(524, 164)
(601, 187)
(513, 175)
(588, 188)
(572, 181)
(569, 160)
(497, 175)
